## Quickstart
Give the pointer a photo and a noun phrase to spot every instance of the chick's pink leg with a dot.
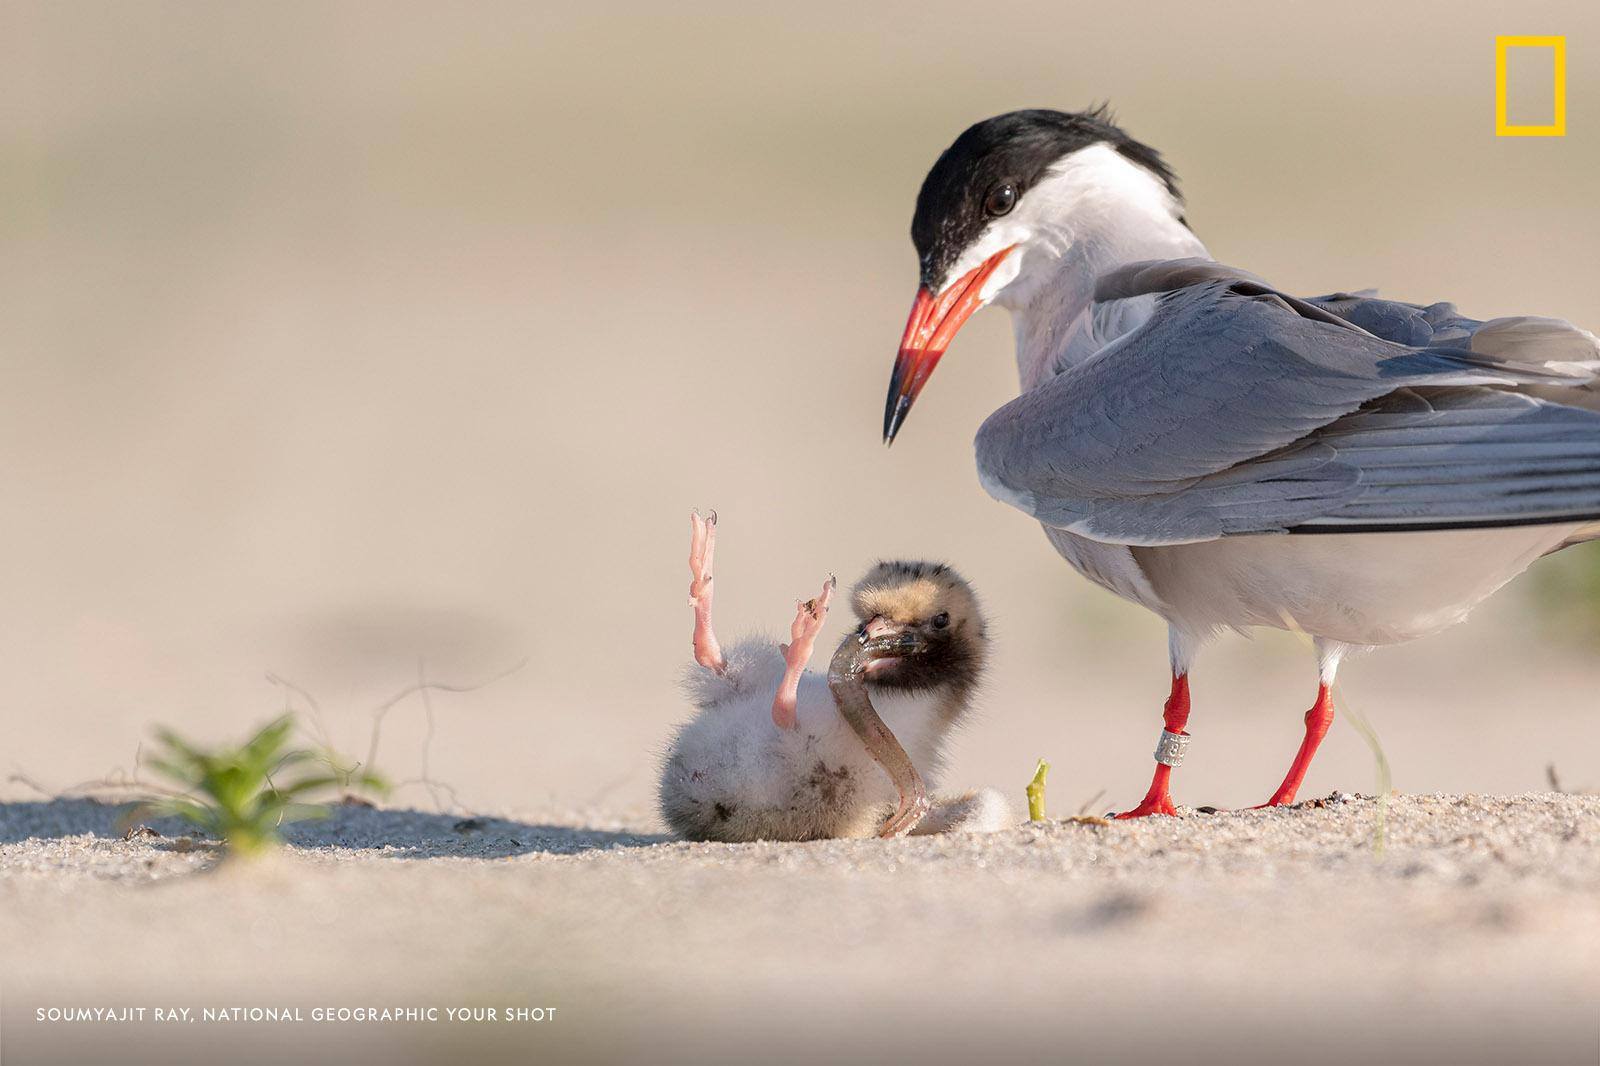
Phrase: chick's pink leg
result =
(702, 547)
(808, 619)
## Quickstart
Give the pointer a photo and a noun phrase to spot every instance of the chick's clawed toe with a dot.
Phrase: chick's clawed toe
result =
(809, 618)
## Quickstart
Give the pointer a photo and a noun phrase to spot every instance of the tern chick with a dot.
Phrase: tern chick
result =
(776, 752)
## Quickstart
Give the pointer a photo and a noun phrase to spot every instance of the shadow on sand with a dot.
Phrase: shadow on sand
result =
(396, 833)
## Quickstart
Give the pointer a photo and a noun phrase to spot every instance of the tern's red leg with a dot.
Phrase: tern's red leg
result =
(1159, 800)
(1318, 719)
(808, 619)
(702, 547)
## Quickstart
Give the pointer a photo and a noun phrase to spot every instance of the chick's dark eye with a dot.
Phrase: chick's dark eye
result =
(941, 619)
(1001, 199)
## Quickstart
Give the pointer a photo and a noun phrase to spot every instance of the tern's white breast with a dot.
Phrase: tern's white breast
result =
(1366, 588)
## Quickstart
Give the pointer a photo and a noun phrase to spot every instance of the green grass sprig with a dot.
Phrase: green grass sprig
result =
(244, 795)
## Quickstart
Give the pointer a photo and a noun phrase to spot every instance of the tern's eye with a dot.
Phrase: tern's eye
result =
(1001, 199)
(941, 620)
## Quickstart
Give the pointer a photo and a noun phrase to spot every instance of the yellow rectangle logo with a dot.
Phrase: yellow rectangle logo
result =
(1558, 125)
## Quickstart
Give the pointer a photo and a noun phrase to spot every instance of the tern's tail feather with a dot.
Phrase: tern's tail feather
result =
(1551, 344)
(1581, 535)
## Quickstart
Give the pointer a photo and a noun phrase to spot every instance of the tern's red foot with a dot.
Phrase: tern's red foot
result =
(1318, 719)
(702, 547)
(1169, 752)
(1158, 800)
(808, 619)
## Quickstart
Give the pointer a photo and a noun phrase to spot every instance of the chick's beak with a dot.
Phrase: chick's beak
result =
(888, 642)
(933, 324)
(879, 626)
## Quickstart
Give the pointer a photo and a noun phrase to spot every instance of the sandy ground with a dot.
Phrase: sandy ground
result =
(1433, 928)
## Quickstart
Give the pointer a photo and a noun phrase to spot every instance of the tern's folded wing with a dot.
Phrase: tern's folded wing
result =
(1237, 409)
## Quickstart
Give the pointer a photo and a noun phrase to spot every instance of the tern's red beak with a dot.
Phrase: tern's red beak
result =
(932, 326)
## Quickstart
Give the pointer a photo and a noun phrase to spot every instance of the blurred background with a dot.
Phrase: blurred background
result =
(343, 341)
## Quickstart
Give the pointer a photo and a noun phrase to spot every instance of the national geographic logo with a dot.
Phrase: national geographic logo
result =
(1524, 76)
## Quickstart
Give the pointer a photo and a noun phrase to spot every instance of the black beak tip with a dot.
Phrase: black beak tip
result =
(894, 416)
(894, 408)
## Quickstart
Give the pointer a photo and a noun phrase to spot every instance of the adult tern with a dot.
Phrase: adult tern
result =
(1226, 454)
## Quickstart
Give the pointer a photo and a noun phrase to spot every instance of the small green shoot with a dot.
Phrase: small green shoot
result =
(244, 795)
(1385, 783)
(1036, 792)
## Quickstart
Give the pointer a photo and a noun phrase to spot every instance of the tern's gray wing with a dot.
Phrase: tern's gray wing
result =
(1238, 409)
(1526, 339)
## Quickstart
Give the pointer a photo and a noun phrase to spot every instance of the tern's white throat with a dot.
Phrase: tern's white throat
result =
(1095, 211)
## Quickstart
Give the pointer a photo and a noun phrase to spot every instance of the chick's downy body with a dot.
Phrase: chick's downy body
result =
(733, 775)
(738, 770)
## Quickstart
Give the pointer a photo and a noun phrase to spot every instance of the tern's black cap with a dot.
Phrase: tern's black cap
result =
(1017, 147)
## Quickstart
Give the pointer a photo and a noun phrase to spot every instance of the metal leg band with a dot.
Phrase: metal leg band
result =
(1170, 751)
